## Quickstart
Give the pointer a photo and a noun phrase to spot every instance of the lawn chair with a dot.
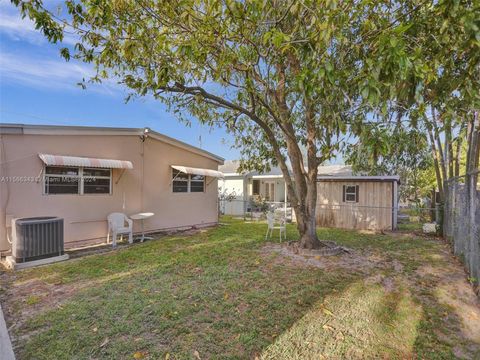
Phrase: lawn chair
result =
(271, 226)
(116, 225)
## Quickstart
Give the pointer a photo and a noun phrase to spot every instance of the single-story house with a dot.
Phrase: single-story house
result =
(82, 174)
(343, 199)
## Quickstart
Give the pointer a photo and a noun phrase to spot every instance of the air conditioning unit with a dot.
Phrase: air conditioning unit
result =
(37, 238)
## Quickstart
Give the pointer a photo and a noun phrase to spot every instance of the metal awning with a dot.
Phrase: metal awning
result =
(198, 171)
(62, 160)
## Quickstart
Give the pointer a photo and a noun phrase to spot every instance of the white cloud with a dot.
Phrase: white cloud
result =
(18, 29)
(58, 74)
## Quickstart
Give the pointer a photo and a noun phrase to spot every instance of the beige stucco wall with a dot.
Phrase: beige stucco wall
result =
(145, 188)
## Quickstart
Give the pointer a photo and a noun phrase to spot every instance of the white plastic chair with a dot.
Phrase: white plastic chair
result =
(271, 226)
(116, 225)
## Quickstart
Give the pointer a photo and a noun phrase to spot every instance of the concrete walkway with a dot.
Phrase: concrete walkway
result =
(6, 351)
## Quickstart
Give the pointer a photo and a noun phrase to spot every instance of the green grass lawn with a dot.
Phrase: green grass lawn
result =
(222, 294)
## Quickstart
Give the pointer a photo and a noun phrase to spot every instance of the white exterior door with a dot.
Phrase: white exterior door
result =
(269, 190)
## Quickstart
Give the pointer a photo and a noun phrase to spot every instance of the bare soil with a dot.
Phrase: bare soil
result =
(444, 277)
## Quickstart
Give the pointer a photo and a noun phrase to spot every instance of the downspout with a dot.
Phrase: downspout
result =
(3, 170)
(142, 154)
(143, 138)
(245, 196)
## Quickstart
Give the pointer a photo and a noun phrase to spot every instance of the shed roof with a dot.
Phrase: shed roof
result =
(359, 178)
(230, 168)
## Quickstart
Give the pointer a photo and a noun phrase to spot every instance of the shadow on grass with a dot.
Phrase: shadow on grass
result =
(363, 321)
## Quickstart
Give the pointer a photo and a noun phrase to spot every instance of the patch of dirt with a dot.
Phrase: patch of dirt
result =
(440, 280)
(447, 281)
(453, 290)
(330, 249)
(23, 300)
(387, 282)
(354, 260)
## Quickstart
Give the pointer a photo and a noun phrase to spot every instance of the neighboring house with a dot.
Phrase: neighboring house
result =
(242, 188)
(343, 200)
(84, 173)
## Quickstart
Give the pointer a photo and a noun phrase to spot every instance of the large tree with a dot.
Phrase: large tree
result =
(442, 98)
(394, 149)
(281, 75)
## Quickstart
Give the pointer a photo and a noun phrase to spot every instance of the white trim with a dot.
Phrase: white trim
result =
(233, 175)
(350, 193)
(188, 181)
(395, 206)
(80, 177)
(256, 177)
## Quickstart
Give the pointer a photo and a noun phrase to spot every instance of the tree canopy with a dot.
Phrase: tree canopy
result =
(280, 75)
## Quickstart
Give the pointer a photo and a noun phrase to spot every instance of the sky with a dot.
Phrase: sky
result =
(37, 86)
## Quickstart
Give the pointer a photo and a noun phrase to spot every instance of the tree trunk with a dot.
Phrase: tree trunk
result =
(458, 152)
(308, 226)
(473, 151)
(436, 163)
(441, 153)
(449, 147)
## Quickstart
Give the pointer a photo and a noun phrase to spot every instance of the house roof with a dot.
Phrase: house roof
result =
(230, 168)
(325, 173)
(335, 170)
(20, 129)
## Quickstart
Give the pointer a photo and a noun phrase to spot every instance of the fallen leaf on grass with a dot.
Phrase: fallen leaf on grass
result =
(105, 342)
(167, 356)
(327, 312)
(138, 355)
(327, 327)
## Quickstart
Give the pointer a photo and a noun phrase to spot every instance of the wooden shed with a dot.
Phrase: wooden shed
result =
(357, 202)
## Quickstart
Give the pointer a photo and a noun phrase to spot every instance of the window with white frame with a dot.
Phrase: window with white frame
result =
(77, 180)
(350, 193)
(182, 182)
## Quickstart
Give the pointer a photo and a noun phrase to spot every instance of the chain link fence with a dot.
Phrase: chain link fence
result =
(410, 218)
(255, 210)
(461, 225)
(419, 218)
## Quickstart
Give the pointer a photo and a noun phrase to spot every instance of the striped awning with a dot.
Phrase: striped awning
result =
(62, 160)
(198, 171)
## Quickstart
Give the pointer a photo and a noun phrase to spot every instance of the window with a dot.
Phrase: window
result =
(196, 183)
(350, 193)
(96, 181)
(77, 180)
(256, 187)
(187, 183)
(62, 180)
